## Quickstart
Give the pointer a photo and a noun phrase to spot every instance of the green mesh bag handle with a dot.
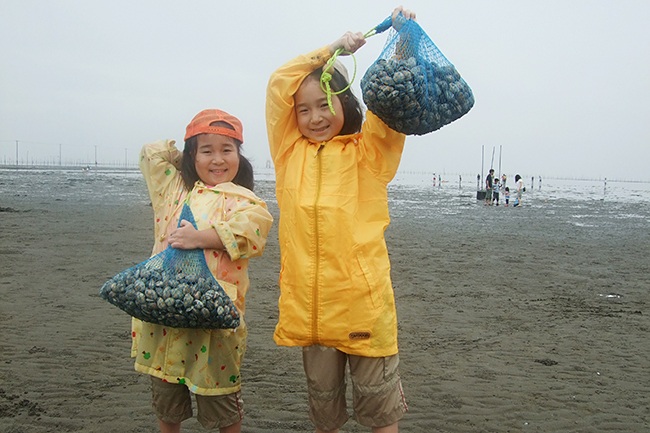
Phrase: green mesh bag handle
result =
(326, 76)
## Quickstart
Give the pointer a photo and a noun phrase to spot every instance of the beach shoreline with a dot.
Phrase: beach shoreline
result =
(536, 325)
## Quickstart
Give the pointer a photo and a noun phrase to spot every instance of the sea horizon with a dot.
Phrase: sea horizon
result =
(455, 194)
(263, 173)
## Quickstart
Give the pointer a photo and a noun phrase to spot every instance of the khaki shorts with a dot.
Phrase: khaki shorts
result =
(172, 404)
(377, 388)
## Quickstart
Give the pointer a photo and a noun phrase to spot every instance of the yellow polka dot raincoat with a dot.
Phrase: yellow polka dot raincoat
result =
(205, 360)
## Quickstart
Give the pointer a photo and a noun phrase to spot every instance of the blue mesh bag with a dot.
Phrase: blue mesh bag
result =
(173, 288)
(412, 86)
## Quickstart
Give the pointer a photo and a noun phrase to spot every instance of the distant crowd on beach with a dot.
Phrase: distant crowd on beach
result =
(494, 186)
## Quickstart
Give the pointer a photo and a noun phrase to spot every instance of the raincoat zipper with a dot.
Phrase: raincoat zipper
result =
(315, 297)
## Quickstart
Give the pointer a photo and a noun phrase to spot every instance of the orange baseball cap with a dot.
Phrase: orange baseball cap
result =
(201, 125)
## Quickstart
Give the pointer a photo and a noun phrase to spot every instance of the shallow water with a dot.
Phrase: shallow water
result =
(579, 204)
(97, 187)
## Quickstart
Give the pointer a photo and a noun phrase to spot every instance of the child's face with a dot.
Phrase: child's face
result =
(315, 120)
(217, 158)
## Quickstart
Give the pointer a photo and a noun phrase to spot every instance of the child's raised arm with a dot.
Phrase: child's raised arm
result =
(156, 159)
(349, 43)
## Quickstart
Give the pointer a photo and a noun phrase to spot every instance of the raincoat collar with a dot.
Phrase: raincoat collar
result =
(343, 139)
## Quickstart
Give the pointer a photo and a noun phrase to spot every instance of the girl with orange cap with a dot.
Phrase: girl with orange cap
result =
(216, 180)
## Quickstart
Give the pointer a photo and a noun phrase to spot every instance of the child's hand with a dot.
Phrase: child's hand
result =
(350, 42)
(184, 237)
(409, 15)
(398, 22)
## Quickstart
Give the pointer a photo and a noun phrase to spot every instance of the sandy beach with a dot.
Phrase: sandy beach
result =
(540, 326)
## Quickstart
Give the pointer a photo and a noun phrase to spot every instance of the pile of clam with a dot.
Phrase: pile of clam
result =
(168, 297)
(415, 98)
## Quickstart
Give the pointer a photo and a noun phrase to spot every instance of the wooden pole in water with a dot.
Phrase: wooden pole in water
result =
(482, 160)
(479, 191)
(500, 149)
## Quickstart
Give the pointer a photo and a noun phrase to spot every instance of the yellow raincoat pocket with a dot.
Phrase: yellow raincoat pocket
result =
(370, 279)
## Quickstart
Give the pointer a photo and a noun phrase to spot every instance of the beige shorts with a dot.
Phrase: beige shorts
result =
(172, 403)
(376, 385)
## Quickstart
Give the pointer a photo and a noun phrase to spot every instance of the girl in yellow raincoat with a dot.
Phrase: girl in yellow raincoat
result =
(336, 302)
(217, 181)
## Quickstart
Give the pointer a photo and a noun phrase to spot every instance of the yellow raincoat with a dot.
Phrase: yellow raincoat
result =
(335, 281)
(206, 360)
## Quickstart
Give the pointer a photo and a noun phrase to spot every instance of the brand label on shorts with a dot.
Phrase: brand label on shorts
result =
(359, 335)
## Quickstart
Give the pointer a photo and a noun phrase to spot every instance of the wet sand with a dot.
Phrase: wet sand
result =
(542, 327)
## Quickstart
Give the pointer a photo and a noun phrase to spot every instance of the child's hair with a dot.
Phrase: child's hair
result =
(507, 189)
(244, 176)
(517, 177)
(352, 112)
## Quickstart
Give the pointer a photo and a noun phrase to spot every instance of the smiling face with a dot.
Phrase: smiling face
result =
(315, 120)
(217, 158)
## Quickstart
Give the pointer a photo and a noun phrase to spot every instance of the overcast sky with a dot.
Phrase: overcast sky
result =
(562, 88)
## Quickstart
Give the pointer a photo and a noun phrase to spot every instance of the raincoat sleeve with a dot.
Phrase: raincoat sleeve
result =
(159, 163)
(245, 229)
(281, 123)
(381, 147)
